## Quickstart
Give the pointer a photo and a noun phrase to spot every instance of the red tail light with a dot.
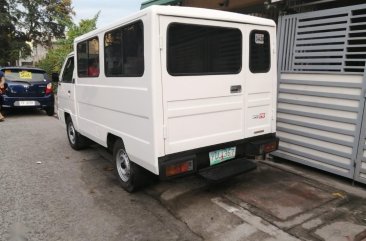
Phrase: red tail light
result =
(179, 168)
(269, 147)
(49, 89)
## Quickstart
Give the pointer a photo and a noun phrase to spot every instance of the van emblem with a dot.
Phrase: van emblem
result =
(259, 116)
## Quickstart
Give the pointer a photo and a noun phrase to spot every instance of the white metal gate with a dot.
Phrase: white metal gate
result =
(360, 174)
(322, 88)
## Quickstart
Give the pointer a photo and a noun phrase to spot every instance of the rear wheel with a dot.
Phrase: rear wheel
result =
(76, 140)
(50, 111)
(129, 174)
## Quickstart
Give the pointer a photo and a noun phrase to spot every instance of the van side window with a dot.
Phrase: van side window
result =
(259, 53)
(203, 50)
(124, 51)
(88, 58)
(68, 71)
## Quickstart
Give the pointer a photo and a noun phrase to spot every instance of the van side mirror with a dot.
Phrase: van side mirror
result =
(55, 77)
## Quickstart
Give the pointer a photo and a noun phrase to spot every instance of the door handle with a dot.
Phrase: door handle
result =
(69, 92)
(235, 89)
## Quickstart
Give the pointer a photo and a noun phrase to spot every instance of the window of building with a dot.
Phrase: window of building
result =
(88, 58)
(124, 51)
(203, 50)
(259, 53)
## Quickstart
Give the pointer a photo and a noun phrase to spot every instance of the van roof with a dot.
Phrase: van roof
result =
(190, 12)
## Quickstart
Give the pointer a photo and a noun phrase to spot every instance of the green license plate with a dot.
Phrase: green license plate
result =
(222, 155)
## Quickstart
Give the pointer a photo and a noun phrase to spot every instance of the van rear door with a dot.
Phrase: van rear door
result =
(203, 82)
(260, 85)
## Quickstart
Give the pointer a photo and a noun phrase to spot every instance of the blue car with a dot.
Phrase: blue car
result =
(28, 88)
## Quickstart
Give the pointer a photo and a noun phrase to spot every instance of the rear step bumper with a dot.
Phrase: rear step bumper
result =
(198, 160)
(227, 169)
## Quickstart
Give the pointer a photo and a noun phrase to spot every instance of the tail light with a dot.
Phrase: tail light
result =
(179, 168)
(49, 89)
(269, 147)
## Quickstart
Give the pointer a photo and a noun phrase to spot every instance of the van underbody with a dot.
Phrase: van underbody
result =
(245, 148)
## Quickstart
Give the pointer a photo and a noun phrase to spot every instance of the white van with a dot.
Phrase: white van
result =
(174, 90)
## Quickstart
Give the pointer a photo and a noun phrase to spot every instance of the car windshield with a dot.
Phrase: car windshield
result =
(27, 75)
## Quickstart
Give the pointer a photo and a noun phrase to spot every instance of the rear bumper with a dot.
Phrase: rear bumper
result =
(254, 146)
(41, 102)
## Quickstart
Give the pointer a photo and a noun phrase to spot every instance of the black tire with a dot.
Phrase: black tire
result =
(76, 140)
(129, 174)
(50, 111)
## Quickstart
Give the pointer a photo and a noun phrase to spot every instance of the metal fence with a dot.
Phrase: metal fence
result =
(322, 87)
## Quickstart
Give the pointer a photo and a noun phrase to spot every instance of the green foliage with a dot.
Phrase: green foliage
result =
(38, 21)
(42, 20)
(55, 57)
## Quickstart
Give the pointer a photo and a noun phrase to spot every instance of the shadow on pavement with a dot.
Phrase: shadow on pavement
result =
(23, 112)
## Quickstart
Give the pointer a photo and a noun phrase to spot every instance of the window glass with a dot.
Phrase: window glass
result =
(124, 51)
(259, 54)
(88, 58)
(68, 71)
(203, 50)
(26, 75)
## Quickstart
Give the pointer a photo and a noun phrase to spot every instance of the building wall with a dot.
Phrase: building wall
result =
(38, 53)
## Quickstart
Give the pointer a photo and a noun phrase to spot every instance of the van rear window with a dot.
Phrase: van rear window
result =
(203, 50)
(259, 53)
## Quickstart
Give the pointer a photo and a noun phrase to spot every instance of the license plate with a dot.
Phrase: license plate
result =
(222, 155)
(27, 103)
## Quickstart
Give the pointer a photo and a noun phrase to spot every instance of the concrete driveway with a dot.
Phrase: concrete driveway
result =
(70, 195)
(50, 192)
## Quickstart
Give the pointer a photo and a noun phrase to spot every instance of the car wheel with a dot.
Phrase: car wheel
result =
(50, 111)
(76, 140)
(129, 174)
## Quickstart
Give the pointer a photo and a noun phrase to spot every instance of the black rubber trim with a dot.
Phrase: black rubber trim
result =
(227, 169)
(200, 156)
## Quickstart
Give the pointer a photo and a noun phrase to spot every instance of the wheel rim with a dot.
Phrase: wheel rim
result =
(123, 165)
(71, 133)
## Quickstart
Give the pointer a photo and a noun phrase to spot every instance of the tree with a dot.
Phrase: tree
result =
(11, 40)
(42, 20)
(23, 21)
(5, 30)
(55, 57)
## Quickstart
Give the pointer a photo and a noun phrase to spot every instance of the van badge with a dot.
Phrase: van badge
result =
(259, 116)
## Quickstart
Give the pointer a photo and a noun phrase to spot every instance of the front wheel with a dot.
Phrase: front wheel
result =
(76, 140)
(129, 174)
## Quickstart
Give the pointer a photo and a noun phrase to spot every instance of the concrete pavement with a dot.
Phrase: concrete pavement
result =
(74, 196)
(266, 204)
(69, 195)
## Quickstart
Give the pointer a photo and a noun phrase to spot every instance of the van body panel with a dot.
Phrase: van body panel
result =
(201, 110)
(159, 115)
